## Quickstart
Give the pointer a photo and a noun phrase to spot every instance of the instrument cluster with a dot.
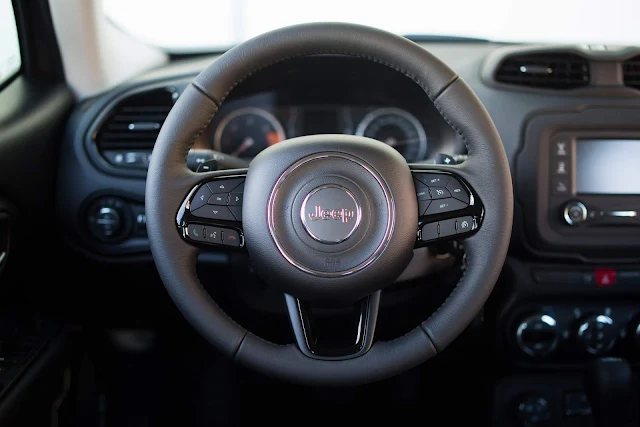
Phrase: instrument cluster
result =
(247, 126)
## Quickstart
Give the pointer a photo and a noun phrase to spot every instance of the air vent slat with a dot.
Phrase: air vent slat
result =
(553, 70)
(134, 123)
(631, 72)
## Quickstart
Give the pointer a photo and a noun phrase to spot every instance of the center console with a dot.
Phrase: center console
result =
(578, 183)
(572, 295)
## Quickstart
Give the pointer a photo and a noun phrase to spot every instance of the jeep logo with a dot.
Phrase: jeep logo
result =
(343, 215)
(330, 214)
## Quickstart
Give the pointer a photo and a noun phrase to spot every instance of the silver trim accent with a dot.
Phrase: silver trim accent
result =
(304, 208)
(602, 319)
(217, 136)
(623, 214)
(544, 318)
(566, 216)
(391, 215)
(422, 136)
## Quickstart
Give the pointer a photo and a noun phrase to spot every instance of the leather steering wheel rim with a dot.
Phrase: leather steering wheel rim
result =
(487, 168)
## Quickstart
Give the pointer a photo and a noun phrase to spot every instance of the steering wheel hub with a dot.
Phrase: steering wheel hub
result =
(330, 215)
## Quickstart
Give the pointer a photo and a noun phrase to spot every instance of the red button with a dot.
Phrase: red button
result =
(605, 277)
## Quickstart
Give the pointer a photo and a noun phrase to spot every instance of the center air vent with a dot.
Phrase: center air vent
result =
(127, 135)
(544, 70)
(631, 72)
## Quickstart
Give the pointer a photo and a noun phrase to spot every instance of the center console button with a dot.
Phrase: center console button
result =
(445, 205)
(560, 186)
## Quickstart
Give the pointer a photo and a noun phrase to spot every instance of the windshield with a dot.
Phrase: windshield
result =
(210, 25)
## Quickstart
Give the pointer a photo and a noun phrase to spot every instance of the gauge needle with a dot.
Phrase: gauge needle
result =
(247, 143)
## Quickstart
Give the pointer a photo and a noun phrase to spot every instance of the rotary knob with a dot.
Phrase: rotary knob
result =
(537, 335)
(575, 213)
(597, 334)
(108, 219)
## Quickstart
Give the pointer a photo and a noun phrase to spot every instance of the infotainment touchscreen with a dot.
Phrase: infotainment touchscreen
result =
(607, 166)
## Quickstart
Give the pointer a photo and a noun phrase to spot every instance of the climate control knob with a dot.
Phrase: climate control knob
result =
(537, 335)
(574, 212)
(597, 334)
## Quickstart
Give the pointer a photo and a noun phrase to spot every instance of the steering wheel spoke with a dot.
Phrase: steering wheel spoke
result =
(448, 207)
(351, 327)
(211, 214)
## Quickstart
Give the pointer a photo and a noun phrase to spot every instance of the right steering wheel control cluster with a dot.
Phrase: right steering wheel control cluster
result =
(446, 207)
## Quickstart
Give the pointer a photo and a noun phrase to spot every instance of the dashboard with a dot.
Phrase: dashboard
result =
(567, 116)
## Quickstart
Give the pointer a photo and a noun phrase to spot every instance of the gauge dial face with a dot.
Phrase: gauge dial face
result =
(398, 129)
(246, 132)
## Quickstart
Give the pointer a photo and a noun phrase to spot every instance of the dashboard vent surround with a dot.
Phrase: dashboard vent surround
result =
(631, 72)
(127, 135)
(545, 70)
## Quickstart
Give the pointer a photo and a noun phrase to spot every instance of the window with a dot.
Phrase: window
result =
(9, 46)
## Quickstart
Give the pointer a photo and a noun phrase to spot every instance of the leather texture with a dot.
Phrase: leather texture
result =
(486, 170)
(385, 359)
(168, 183)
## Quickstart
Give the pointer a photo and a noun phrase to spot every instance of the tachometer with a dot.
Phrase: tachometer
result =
(398, 129)
(247, 131)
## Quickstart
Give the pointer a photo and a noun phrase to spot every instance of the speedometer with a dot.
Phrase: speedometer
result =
(246, 132)
(398, 129)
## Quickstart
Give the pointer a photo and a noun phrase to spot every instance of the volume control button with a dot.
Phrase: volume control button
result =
(574, 213)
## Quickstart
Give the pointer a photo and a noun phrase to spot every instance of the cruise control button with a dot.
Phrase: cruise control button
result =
(439, 193)
(430, 231)
(214, 212)
(445, 205)
(196, 232)
(422, 191)
(465, 224)
(457, 190)
(201, 198)
(214, 235)
(224, 185)
(219, 199)
(236, 211)
(434, 179)
(230, 238)
(422, 206)
(235, 199)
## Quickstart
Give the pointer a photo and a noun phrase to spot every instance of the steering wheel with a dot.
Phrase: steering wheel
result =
(329, 218)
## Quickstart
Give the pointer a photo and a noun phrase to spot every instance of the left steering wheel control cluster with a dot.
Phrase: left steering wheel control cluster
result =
(212, 213)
